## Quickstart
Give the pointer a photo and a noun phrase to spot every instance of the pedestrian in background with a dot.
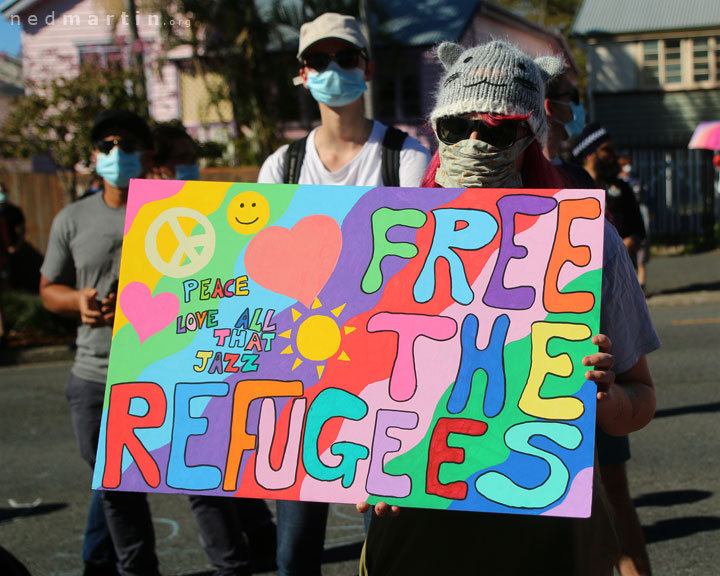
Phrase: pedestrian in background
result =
(566, 120)
(613, 451)
(347, 149)
(643, 253)
(594, 149)
(79, 278)
(238, 534)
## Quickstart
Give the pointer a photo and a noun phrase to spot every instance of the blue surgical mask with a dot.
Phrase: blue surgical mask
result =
(576, 125)
(187, 172)
(118, 167)
(3, 197)
(335, 86)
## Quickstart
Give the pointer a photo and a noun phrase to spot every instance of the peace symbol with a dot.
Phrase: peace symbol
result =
(196, 250)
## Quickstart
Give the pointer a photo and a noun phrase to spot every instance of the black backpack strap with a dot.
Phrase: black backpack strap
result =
(391, 146)
(293, 161)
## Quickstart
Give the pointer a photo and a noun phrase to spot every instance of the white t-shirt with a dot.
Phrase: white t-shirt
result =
(363, 170)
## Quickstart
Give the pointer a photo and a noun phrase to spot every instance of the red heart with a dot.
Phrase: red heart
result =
(296, 262)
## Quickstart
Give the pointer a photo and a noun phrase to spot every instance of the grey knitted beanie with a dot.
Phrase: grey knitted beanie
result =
(495, 78)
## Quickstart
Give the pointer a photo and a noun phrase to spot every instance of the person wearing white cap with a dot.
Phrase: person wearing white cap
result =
(347, 149)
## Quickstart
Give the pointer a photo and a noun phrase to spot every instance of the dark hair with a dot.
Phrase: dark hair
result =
(111, 120)
(552, 86)
(164, 135)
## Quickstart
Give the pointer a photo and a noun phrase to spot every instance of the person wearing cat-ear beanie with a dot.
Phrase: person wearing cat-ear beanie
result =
(490, 121)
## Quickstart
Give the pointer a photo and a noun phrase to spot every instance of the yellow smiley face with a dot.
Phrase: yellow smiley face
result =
(248, 212)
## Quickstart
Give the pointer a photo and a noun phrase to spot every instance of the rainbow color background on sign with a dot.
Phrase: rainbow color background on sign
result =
(303, 254)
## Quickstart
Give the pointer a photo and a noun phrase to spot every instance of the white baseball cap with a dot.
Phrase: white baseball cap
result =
(331, 25)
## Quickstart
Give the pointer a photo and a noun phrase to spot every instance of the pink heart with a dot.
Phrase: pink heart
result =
(296, 262)
(148, 314)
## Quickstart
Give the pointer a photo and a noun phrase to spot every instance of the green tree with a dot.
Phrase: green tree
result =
(556, 15)
(228, 40)
(56, 116)
(247, 47)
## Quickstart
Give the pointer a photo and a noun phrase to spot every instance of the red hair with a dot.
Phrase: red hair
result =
(537, 171)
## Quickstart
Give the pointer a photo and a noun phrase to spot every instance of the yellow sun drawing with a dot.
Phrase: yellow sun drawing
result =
(317, 337)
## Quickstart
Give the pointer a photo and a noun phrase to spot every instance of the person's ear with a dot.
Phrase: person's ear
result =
(548, 105)
(303, 75)
(369, 70)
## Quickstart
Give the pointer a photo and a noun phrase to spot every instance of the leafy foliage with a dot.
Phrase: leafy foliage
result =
(56, 117)
(228, 39)
(556, 15)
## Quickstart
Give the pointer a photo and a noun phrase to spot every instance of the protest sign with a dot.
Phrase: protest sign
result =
(416, 346)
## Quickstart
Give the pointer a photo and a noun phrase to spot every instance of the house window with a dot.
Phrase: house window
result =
(673, 62)
(683, 63)
(104, 56)
(701, 59)
(651, 63)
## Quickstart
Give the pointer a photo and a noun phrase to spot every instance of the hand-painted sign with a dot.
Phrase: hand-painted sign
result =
(416, 346)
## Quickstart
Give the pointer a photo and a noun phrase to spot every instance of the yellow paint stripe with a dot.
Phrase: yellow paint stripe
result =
(696, 321)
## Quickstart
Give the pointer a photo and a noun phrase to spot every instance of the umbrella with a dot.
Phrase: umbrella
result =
(707, 136)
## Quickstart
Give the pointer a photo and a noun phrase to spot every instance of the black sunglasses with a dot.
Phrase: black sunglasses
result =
(346, 59)
(453, 129)
(127, 145)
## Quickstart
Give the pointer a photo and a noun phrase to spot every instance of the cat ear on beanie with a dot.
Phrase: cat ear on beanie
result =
(549, 66)
(448, 53)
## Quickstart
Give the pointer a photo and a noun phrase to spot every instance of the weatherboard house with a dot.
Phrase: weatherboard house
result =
(59, 35)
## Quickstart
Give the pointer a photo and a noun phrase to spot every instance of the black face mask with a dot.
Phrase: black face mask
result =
(607, 169)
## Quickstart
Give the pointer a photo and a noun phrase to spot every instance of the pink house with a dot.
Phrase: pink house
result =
(58, 35)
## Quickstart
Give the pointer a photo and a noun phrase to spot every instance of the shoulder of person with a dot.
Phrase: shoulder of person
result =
(410, 144)
(414, 145)
(271, 171)
(578, 175)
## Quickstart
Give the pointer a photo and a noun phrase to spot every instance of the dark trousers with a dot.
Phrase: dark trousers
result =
(127, 513)
(301, 537)
(97, 547)
(225, 526)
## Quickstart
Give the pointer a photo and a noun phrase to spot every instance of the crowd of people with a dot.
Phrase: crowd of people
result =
(505, 133)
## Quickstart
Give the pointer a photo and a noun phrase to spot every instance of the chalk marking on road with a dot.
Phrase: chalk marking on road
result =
(15, 504)
(174, 526)
(693, 321)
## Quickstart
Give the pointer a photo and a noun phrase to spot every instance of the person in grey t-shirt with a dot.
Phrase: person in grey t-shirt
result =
(79, 279)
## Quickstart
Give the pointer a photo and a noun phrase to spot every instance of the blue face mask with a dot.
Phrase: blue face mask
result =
(118, 167)
(187, 172)
(576, 125)
(336, 87)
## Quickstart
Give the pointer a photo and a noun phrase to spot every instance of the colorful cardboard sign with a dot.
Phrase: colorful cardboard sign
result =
(416, 346)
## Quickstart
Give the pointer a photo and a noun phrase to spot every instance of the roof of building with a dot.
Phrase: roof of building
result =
(611, 17)
(10, 7)
(398, 22)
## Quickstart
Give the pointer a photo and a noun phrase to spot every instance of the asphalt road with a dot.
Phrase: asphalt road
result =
(674, 473)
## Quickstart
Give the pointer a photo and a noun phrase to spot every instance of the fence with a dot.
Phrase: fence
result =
(679, 192)
(42, 196)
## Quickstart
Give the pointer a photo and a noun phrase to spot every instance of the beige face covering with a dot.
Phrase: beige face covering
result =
(477, 164)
